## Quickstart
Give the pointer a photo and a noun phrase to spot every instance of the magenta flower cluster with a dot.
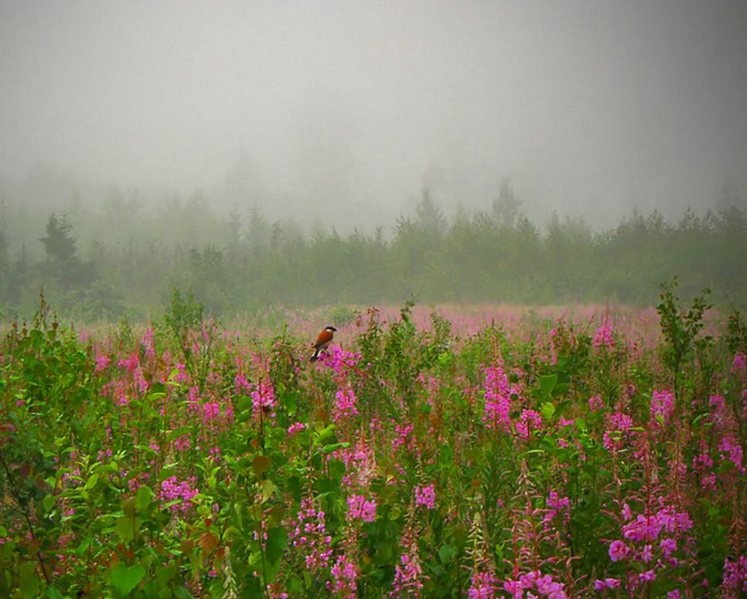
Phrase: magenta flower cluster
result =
(344, 408)
(309, 535)
(603, 337)
(545, 585)
(498, 396)
(263, 399)
(344, 576)
(178, 493)
(360, 508)
(662, 406)
(425, 496)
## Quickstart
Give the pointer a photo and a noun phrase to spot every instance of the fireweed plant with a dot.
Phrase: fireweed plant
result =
(545, 458)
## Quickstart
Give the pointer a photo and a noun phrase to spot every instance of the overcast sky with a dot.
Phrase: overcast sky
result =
(346, 109)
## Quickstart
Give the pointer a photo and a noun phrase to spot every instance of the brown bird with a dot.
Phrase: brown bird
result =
(323, 341)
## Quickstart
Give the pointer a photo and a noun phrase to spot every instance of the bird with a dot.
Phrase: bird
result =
(323, 341)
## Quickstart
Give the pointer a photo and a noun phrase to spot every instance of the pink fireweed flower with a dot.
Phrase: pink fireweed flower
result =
(543, 584)
(498, 395)
(717, 404)
(408, 576)
(181, 492)
(596, 403)
(242, 385)
(668, 546)
(339, 360)
(405, 437)
(662, 405)
(735, 575)
(360, 464)
(139, 378)
(648, 576)
(344, 576)
(513, 587)
(147, 342)
(618, 423)
(557, 505)
(215, 414)
(426, 497)
(649, 528)
(119, 391)
(618, 550)
(482, 587)
(344, 408)
(130, 363)
(732, 452)
(360, 508)
(529, 421)
(626, 512)
(182, 443)
(102, 362)
(309, 535)
(603, 337)
(607, 583)
(180, 374)
(295, 428)
(739, 364)
(263, 399)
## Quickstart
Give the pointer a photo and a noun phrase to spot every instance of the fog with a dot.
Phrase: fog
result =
(341, 112)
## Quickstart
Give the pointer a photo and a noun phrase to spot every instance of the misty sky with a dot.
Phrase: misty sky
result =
(346, 109)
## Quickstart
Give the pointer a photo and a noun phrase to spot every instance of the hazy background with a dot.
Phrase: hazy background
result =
(345, 110)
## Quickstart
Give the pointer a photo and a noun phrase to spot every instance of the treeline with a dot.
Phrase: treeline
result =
(124, 260)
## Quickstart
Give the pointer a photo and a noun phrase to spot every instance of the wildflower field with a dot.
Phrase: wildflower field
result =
(598, 454)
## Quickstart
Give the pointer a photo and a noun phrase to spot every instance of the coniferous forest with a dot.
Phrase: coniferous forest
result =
(122, 260)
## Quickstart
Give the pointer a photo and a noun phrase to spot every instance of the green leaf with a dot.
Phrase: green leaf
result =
(548, 410)
(91, 482)
(446, 553)
(183, 593)
(164, 574)
(144, 497)
(177, 432)
(48, 503)
(277, 539)
(126, 578)
(268, 488)
(326, 433)
(560, 389)
(126, 527)
(156, 391)
(260, 464)
(547, 383)
(29, 580)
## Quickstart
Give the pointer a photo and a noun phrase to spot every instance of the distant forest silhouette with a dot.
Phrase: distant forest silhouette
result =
(134, 259)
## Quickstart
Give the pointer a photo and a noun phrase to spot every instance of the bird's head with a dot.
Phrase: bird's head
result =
(331, 329)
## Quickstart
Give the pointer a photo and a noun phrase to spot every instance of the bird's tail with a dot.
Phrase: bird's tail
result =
(315, 357)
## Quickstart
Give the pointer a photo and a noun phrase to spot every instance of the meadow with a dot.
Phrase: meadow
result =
(432, 452)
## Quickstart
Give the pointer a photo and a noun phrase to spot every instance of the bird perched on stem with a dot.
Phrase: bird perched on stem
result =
(323, 341)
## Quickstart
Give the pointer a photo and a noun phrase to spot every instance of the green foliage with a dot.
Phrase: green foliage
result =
(342, 315)
(183, 313)
(59, 243)
(736, 336)
(236, 264)
(680, 328)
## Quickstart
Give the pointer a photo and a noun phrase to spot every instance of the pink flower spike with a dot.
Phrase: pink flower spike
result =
(618, 551)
